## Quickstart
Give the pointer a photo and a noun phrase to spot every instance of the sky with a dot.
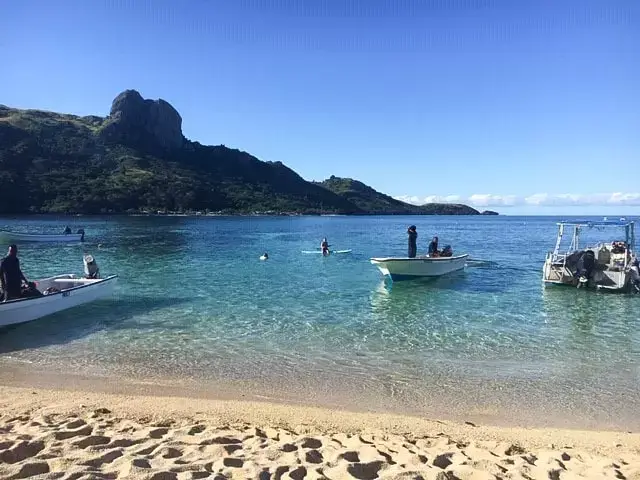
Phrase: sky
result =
(524, 107)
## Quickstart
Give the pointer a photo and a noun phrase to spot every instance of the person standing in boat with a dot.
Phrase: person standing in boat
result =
(11, 275)
(433, 247)
(413, 241)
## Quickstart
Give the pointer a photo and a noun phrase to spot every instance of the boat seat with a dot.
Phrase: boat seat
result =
(604, 256)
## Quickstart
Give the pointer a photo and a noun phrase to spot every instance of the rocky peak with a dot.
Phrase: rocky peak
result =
(133, 119)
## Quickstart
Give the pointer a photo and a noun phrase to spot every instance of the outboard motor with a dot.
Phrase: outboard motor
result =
(91, 269)
(446, 251)
(635, 276)
(81, 232)
(585, 267)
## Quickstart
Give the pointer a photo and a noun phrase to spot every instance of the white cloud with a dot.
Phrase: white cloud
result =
(536, 200)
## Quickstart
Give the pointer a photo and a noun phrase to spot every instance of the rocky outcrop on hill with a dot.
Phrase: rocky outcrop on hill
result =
(134, 120)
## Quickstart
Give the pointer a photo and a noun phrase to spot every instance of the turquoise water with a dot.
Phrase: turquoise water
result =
(194, 304)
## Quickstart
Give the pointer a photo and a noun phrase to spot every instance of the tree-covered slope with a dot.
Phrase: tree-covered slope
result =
(374, 202)
(137, 159)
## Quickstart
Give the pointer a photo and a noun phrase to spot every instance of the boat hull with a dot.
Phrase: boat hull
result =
(399, 269)
(74, 291)
(28, 237)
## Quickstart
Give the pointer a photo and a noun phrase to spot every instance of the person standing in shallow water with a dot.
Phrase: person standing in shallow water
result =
(413, 241)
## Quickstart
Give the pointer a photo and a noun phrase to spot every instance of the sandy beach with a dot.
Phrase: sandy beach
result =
(79, 435)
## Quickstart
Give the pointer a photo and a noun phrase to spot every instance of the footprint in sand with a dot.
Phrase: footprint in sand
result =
(32, 469)
(170, 452)
(298, 474)
(313, 456)
(66, 434)
(311, 443)
(106, 458)
(365, 471)
(158, 432)
(141, 463)
(233, 462)
(21, 451)
(164, 476)
(351, 457)
(232, 448)
(196, 429)
(92, 441)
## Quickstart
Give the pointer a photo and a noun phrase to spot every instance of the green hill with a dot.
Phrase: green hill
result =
(374, 202)
(137, 159)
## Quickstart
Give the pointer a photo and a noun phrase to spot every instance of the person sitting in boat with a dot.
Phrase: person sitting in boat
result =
(446, 251)
(11, 276)
(618, 247)
(324, 246)
(91, 269)
(413, 239)
(67, 230)
(433, 247)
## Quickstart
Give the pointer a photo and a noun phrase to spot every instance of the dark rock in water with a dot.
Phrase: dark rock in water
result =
(489, 212)
(141, 123)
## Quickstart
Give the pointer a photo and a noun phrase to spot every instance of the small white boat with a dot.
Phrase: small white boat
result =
(404, 268)
(17, 237)
(59, 293)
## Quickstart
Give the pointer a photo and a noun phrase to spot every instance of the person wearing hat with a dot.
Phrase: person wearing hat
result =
(413, 241)
(11, 276)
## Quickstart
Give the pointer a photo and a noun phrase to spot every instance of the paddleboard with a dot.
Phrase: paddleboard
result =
(330, 251)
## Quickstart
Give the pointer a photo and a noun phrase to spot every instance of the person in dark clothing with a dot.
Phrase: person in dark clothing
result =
(67, 230)
(413, 239)
(11, 275)
(433, 247)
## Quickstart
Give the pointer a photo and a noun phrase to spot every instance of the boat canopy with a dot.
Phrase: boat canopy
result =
(578, 225)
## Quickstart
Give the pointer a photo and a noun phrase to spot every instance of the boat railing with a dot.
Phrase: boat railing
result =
(557, 258)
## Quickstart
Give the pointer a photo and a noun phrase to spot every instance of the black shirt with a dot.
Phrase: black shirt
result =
(10, 272)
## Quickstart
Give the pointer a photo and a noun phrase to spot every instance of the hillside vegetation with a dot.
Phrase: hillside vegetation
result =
(137, 159)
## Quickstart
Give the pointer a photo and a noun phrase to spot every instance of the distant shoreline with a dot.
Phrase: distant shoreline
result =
(209, 215)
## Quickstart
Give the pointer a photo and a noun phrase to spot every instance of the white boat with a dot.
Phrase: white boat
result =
(603, 266)
(404, 268)
(16, 237)
(59, 293)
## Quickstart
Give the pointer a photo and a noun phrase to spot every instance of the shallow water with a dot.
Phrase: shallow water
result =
(194, 303)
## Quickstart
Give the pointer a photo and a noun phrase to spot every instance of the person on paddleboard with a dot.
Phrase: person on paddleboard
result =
(324, 246)
(413, 239)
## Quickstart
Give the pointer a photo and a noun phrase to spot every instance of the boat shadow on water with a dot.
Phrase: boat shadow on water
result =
(82, 321)
(592, 321)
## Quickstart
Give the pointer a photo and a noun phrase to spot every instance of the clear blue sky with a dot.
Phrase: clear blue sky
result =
(416, 98)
